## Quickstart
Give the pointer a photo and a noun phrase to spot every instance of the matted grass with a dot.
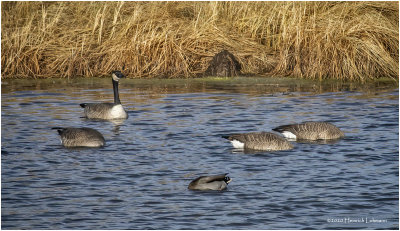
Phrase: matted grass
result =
(316, 40)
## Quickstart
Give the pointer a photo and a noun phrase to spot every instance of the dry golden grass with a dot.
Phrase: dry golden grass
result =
(318, 40)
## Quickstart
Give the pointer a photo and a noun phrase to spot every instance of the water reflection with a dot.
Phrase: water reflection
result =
(115, 122)
(331, 141)
(160, 87)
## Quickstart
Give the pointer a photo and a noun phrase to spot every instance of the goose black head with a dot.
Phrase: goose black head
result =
(116, 75)
(227, 179)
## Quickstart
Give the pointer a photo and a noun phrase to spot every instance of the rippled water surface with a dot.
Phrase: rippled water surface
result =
(139, 179)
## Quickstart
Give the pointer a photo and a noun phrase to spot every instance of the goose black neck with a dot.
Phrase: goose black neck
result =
(116, 94)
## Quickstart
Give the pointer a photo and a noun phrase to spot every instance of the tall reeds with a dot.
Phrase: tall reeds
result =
(342, 40)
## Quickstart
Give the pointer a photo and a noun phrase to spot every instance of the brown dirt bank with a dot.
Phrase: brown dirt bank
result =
(317, 40)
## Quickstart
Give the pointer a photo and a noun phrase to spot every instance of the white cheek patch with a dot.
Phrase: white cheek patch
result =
(289, 135)
(115, 77)
(237, 144)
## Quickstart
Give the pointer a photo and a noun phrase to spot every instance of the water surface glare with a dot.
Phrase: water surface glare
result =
(139, 179)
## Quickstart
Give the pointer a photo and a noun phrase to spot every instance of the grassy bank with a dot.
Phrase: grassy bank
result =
(341, 40)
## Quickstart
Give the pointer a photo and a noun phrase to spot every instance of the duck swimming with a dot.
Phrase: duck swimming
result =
(310, 131)
(80, 137)
(265, 141)
(215, 182)
(107, 111)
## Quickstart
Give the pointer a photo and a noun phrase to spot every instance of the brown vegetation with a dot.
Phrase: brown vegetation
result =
(342, 40)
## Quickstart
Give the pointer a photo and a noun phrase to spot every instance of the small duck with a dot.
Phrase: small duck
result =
(80, 137)
(216, 182)
(310, 131)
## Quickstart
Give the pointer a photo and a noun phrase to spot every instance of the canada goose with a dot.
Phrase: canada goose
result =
(107, 111)
(310, 131)
(80, 137)
(216, 182)
(265, 141)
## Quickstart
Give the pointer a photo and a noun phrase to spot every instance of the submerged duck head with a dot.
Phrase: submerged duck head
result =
(216, 182)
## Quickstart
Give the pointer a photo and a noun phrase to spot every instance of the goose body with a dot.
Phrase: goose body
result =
(265, 141)
(310, 131)
(215, 182)
(80, 137)
(107, 111)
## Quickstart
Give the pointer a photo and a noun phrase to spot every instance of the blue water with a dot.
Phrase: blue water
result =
(139, 179)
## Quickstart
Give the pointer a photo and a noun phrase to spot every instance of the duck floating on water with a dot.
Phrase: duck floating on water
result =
(107, 111)
(215, 182)
(263, 141)
(310, 131)
(80, 137)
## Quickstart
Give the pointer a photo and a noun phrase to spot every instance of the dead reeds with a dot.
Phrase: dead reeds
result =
(317, 40)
